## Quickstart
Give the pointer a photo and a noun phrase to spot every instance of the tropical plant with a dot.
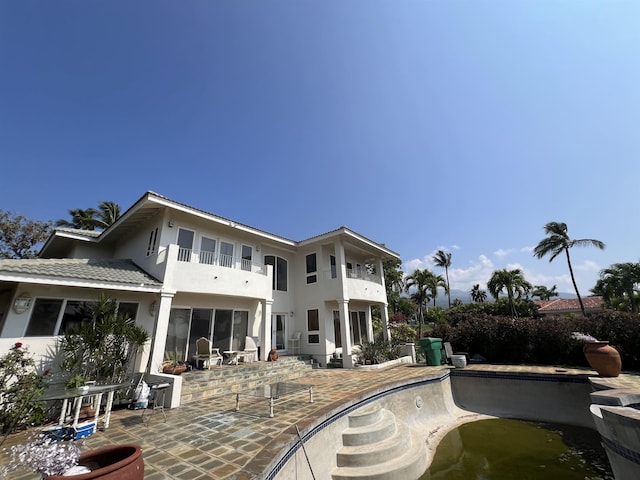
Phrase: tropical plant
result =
(419, 281)
(558, 241)
(477, 295)
(19, 236)
(20, 386)
(511, 281)
(544, 293)
(443, 259)
(104, 216)
(394, 282)
(619, 285)
(104, 346)
(434, 282)
(80, 218)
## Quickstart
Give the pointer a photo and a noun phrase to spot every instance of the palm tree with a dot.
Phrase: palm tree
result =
(442, 259)
(80, 219)
(544, 293)
(393, 281)
(419, 280)
(433, 283)
(558, 241)
(618, 285)
(477, 295)
(108, 213)
(90, 219)
(513, 282)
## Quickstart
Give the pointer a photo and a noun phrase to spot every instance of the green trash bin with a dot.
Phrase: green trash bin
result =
(432, 348)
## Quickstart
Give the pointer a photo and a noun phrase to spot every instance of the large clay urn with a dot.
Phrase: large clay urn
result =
(118, 462)
(603, 358)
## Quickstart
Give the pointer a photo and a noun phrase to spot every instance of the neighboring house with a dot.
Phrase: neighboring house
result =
(563, 306)
(184, 273)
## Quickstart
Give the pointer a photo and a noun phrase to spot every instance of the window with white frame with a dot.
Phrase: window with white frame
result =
(153, 238)
(313, 326)
(312, 268)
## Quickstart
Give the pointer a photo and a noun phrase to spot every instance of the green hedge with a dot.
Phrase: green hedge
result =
(542, 341)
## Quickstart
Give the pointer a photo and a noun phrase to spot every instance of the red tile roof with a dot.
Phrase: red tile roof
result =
(568, 304)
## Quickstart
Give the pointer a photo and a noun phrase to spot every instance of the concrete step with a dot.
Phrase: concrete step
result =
(381, 427)
(378, 447)
(202, 384)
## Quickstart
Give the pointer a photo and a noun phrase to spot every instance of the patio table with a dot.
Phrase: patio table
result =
(233, 356)
(76, 395)
(275, 391)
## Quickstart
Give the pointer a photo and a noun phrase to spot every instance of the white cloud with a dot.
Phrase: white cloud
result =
(477, 272)
(501, 253)
(527, 249)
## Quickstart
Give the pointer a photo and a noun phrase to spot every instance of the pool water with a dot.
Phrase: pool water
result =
(504, 449)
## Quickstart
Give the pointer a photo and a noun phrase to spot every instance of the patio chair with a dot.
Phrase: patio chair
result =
(250, 352)
(206, 354)
(294, 342)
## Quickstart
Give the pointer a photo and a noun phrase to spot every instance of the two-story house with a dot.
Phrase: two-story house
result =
(183, 273)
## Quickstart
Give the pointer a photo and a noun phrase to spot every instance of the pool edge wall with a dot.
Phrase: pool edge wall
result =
(436, 404)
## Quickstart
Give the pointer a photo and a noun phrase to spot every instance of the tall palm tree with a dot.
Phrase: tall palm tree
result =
(419, 280)
(90, 219)
(442, 259)
(108, 213)
(619, 284)
(544, 293)
(558, 241)
(511, 281)
(80, 219)
(477, 295)
(393, 282)
(434, 282)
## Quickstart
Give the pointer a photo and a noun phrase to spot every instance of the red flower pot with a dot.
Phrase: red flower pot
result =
(119, 462)
(603, 358)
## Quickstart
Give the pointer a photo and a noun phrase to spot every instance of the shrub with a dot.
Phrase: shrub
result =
(541, 341)
(20, 386)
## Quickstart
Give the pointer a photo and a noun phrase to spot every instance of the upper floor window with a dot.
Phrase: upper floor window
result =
(279, 271)
(312, 268)
(334, 268)
(247, 257)
(152, 245)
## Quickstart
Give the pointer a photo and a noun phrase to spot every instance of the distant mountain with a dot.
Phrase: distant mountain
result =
(465, 297)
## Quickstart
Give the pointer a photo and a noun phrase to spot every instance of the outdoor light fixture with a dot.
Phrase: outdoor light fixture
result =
(22, 303)
(152, 309)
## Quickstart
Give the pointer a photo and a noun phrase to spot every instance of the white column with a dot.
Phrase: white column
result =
(384, 313)
(345, 331)
(160, 334)
(267, 305)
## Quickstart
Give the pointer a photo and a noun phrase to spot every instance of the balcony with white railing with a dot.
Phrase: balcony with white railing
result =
(213, 273)
(359, 284)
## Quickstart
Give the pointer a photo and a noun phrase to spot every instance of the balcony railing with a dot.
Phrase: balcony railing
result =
(213, 258)
(357, 274)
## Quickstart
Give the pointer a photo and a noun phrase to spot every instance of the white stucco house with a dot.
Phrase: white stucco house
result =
(184, 273)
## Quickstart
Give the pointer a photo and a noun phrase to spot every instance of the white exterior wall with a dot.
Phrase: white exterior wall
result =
(43, 348)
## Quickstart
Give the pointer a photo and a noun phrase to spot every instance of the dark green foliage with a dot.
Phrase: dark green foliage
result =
(102, 349)
(20, 386)
(541, 341)
(379, 352)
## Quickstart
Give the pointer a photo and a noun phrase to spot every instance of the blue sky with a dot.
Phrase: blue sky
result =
(464, 125)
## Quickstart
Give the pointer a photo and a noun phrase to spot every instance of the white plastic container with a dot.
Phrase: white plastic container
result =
(459, 361)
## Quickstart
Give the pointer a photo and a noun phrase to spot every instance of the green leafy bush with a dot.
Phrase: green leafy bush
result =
(541, 341)
(20, 386)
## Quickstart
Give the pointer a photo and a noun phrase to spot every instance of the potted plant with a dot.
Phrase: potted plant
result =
(55, 460)
(172, 365)
(601, 356)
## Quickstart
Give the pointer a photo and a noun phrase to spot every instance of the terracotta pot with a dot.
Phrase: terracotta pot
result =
(174, 370)
(603, 358)
(119, 462)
